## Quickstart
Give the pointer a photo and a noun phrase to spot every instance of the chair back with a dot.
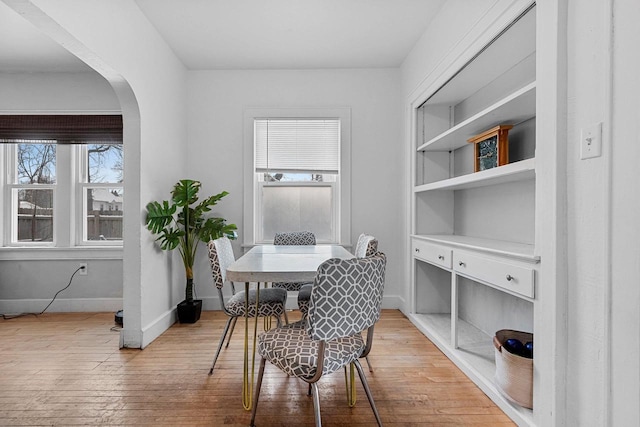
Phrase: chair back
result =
(367, 246)
(297, 238)
(346, 297)
(220, 257)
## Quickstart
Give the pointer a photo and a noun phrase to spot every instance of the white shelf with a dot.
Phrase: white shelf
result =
(475, 356)
(513, 109)
(518, 171)
(519, 251)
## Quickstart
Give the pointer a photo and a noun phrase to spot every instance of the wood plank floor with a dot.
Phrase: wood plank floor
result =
(67, 370)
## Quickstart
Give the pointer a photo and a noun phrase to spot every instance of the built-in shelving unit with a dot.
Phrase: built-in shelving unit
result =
(520, 251)
(513, 109)
(519, 171)
(474, 257)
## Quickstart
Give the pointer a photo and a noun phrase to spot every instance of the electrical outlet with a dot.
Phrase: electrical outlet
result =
(85, 270)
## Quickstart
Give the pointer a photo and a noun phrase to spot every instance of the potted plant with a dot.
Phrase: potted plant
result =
(183, 224)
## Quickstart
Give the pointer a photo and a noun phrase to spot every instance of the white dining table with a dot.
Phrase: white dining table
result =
(268, 264)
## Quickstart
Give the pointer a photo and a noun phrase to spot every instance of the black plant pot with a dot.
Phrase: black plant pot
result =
(189, 312)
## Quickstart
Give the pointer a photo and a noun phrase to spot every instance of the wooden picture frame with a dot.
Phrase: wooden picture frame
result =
(491, 148)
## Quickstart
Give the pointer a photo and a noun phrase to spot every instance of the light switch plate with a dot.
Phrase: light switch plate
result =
(591, 141)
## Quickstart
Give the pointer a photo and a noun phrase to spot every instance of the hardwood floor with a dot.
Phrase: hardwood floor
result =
(67, 370)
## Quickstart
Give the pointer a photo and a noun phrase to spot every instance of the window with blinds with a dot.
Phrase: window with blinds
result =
(297, 145)
(297, 170)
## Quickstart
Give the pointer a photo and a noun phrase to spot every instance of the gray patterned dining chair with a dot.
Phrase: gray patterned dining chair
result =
(272, 301)
(346, 300)
(293, 238)
(367, 246)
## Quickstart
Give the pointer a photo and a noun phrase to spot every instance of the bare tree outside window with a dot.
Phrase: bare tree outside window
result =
(36, 163)
(105, 163)
(36, 166)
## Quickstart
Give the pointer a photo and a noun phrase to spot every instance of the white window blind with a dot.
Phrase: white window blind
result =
(297, 145)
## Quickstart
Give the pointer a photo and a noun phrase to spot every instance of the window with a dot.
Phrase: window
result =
(32, 187)
(299, 173)
(56, 162)
(102, 193)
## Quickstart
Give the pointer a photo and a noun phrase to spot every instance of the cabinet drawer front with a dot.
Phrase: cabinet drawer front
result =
(497, 273)
(438, 255)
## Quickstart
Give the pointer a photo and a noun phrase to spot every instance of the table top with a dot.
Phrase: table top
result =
(270, 263)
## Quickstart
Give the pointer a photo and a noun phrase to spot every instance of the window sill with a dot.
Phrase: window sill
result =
(53, 253)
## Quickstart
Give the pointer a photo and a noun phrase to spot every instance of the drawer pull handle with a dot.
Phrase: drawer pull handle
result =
(417, 250)
(440, 257)
(510, 277)
(461, 264)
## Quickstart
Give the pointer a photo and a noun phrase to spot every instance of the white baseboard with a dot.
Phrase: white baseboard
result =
(60, 305)
(158, 326)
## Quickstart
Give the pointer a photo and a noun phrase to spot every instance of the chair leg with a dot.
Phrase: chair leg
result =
(224, 334)
(350, 382)
(369, 363)
(233, 326)
(258, 386)
(286, 318)
(316, 404)
(365, 385)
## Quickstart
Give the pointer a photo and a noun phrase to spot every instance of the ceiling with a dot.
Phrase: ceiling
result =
(250, 34)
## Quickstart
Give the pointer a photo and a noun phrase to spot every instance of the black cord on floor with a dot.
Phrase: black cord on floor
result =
(15, 316)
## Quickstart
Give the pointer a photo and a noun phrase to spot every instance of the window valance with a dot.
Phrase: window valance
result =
(64, 129)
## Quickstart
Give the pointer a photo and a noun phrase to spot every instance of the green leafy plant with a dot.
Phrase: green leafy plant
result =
(183, 224)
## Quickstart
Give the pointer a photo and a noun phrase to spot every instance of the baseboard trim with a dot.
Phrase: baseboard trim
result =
(157, 327)
(60, 305)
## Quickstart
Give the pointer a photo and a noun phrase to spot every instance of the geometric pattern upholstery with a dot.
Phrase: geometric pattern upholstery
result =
(346, 299)
(272, 303)
(220, 257)
(294, 238)
(367, 246)
(304, 295)
(291, 349)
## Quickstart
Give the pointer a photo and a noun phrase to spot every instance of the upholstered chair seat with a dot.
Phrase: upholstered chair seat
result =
(292, 350)
(272, 302)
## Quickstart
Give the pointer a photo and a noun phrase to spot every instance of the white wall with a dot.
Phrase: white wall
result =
(117, 40)
(56, 92)
(625, 200)
(603, 371)
(216, 103)
(587, 189)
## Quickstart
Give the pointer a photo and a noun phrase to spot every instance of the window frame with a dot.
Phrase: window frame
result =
(68, 199)
(10, 185)
(342, 186)
(81, 184)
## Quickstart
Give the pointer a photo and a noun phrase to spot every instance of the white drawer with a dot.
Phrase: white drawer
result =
(434, 254)
(513, 278)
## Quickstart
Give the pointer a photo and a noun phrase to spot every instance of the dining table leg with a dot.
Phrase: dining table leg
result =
(248, 380)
